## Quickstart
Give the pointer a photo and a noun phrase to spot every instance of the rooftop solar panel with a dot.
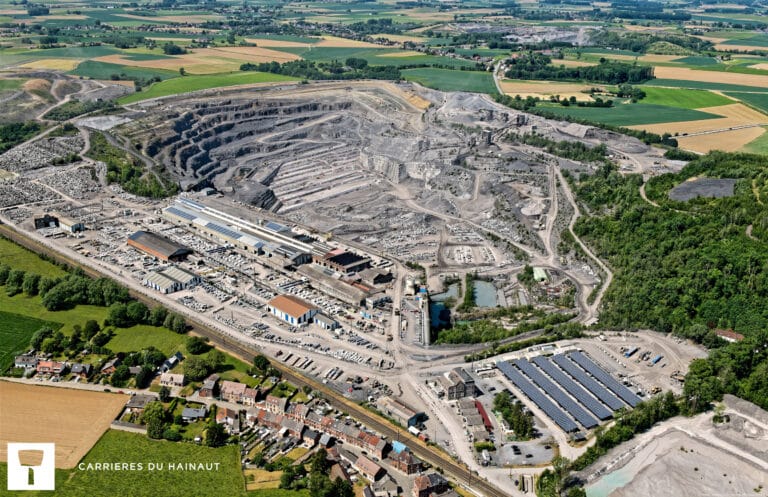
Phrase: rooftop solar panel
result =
(570, 386)
(191, 203)
(589, 383)
(623, 392)
(556, 393)
(181, 213)
(538, 398)
(223, 230)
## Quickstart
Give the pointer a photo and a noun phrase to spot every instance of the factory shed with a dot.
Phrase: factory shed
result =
(158, 246)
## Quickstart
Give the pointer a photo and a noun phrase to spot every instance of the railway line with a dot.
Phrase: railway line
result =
(457, 471)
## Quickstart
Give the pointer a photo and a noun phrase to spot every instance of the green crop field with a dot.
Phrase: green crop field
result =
(632, 114)
(15, 332)
(21, 258)
(138, 337)
(33, 307)
(448, 80)
(193, 83)
(702, 85)
(684, 99)
(754, 41)
(695, 60)
(758, 146)
(118, 446)
(757, 100)
(105, 70)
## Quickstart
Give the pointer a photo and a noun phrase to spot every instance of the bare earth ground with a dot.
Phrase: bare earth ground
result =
(695, 457)
(73, 419)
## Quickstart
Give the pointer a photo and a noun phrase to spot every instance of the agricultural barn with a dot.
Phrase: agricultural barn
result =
(292, 310)
(158, 246)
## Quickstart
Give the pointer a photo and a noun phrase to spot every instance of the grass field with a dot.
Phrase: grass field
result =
(237, 370)
(278, 492)
(33, 307)
(703, 85)
(72, 419)
(753, 41)
(118, 446)
(695, 60)
(259, 479)
(27, 261)
(632, 114)
(15, 332)
(448, 80)
(684, 99)
(194, 83)
(757, 100)
(104, 70)
(140, 336)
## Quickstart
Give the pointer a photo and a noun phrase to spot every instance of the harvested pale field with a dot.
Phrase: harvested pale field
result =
(121, 82)
(710, 38)
(207, 60)
(637, 27)
(763, 66)
(13, 12)
(711, 76)
(402, 53)
(54, 64)
(733, 115)
(256, 479)
(158, 38)
(335, 41)
(192, 19)
(730, 48)
(727, 141)
(261, 42)
(544, 89)
(572, 63)
(400, 38)
(72, 419)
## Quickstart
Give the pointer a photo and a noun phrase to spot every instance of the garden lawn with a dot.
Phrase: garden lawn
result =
(684, 99)
(26, 260)
(141, 336)
(119, 446)
(193, 83)
(449, 80)
(631, 114)
(15, 333)
(235, 369)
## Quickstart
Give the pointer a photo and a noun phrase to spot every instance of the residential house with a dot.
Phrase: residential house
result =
(25, 361)
(338, 471)
(403, 460)
(249, 396)
(192, 414)
(275, 404)
(433, 483)
(50, 367)
(368, 468)
(210, 387)
(171, 362)
(385, 487)
(292, 427)
(232, 391)
(310, 437)
(111, 366)
(81, 370)
(137, 403)
(229, 418)
(172, 380)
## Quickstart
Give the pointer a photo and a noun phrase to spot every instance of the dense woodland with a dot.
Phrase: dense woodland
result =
(641, 42)
(689, 268)
(539, 66)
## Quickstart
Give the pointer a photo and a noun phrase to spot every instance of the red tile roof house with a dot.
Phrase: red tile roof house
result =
(50, 367)
(111, 365)
(229, 418)
(425, 485)
(232, 391)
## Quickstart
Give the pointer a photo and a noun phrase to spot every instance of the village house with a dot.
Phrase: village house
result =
(172, 380)
(368, 468)
(232, 391)
(209, 387)
(229, 418)
(275, 404)
(403, 460)
(111, 366)
(25, 361)
(171, 362)
(81, 370)
(50, 367)
(192, 414)
(137, 403)
(426, 485)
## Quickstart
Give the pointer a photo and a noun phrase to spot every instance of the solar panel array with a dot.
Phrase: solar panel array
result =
(181, 213)
(556, 393)
(224, 230)
(570, 386)
(529, 389)
(623, 392)
(590, 383)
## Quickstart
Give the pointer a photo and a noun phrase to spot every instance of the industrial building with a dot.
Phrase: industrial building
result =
(336, 288)
(158, 246)
(65, 223)
(326, 322)
(375, 277)
(292, 310)
(342, 261)
(400, 412)
(279, 245)
(457, 384)
(70, 225)
(171, 279)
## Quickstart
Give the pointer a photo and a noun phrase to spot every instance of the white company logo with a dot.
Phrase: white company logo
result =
(24, 477)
